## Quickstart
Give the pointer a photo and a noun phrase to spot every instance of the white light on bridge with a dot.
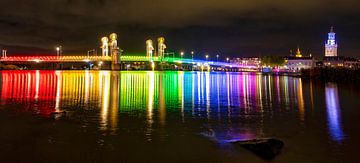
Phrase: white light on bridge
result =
(37, 60)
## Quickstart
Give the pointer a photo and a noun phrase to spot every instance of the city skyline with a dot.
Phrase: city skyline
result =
(230, 28)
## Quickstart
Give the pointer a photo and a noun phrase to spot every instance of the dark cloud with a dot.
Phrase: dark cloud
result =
(230, 27)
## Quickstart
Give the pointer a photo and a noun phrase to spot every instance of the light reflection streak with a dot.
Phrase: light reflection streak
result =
(37, 80)
(162, 108)
(218, 95)
(181, 92)
(278, 88)
(199, 88)
(150, 104)
(87, 86)
(151, 96)
(266, 90)
(311, 95)
(259, 86)
(228, 93)
(193, 94)
(270, 92)
(105, 76)
(300, 100)
(333, 112)
(115, 100)
(286, 91)
(207, 87)
(58, 92)
(28, 90)
(244, 83)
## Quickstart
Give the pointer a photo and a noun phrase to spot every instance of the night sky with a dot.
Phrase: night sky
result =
(225, 27)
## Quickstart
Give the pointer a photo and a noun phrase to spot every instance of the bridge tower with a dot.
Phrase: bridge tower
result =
(115, 52)
(149, 48)
(161, 47)
(105, 46)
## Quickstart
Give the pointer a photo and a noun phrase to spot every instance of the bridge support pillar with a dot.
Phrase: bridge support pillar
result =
(115, 66)
(116, 58)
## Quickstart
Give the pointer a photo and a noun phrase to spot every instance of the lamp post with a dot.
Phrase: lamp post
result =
(206, 56)
(227, 59)
(182, 54)
(4, 53)
(58, 51)
(192, 55)
(91, 52)
(217, 57)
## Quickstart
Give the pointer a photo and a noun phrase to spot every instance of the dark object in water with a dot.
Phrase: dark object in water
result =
(265, 148)
(58, 113)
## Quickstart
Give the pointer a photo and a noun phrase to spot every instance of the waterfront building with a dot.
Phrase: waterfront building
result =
(299, 62)
(331, 45)
(341, 61)
(247, 61)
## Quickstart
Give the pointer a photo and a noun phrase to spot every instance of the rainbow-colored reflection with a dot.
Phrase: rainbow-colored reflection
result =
(153, 90)
(158, 95)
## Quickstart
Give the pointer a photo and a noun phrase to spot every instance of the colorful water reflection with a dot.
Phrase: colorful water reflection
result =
(333, 112)
(224, 100)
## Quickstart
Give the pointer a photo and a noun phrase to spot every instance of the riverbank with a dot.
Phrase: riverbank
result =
(332, 74)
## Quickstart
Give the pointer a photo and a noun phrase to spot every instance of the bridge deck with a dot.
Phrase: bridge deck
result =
(123, 58)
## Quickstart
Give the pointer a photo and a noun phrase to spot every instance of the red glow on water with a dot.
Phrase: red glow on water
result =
(29, 88)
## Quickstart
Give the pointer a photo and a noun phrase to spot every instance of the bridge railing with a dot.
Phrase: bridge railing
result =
(55, 58)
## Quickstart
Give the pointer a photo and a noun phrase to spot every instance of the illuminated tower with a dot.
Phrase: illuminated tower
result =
(149, 48)
(298, 53)
(330, 45)
(113, 43)
(161, 47)
(105, 46)
(115, 51)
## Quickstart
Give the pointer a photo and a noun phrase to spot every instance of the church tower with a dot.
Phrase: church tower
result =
(331, 45)
(298, 53)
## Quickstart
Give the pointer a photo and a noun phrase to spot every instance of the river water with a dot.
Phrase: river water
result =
(146, 116)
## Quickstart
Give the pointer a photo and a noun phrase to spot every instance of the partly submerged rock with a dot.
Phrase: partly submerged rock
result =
(265, 148)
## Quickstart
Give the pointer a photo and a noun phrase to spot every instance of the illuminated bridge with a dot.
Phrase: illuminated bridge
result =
(124, 58)
(112, 58)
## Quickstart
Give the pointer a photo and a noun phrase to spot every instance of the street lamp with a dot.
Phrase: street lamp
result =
(182, 54)
(217, 57)
(58, 50)
(192, 55)
(227, 59)
(206, 56)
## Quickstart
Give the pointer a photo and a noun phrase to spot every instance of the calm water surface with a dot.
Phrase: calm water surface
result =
(173, 116)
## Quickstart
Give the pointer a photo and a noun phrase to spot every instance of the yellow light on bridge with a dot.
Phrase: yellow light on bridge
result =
(153, 65)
